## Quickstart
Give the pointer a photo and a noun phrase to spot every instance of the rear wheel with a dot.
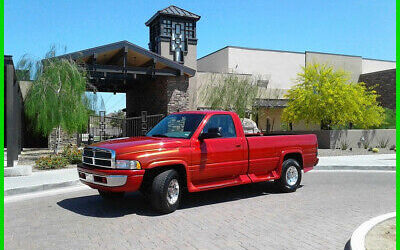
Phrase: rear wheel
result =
(111, 195)
(290, 176)
(166, 191)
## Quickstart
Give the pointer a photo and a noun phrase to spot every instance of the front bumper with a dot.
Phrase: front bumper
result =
(113, 180)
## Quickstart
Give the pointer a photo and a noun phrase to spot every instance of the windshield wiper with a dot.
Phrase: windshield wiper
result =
(159, 135)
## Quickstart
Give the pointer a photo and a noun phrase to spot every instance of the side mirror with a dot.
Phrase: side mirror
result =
(211, 133)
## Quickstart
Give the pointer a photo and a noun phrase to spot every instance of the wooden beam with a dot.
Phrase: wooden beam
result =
(131, 70)
(149, 63)
(125, 62)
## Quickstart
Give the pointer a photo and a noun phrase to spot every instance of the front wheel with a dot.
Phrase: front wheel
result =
(166, 191)
(290, 176)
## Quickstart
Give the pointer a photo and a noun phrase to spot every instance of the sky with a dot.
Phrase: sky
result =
(363, 28)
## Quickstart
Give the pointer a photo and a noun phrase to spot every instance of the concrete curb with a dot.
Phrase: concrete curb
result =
(20, 170)
(24, 190)
(391, 168)
(357, 241)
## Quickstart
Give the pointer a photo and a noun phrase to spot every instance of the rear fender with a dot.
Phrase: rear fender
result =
(286, 152)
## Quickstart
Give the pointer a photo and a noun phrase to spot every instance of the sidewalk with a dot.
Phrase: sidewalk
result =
(50, 179)
(358, 162)
(40, 181)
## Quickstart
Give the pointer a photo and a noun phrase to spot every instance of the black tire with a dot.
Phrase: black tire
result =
(159, 191)
(283, 183)
(111, 195)
(146, 193)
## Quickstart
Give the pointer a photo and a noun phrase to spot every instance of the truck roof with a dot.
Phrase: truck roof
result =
(205, 112)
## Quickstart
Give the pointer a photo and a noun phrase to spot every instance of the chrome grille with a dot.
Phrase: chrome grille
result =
(100, 157)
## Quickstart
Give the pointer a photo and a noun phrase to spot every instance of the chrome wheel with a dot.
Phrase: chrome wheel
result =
(173, 191)
(292, 175)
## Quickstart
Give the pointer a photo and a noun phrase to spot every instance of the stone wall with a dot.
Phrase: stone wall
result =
(354, 138)
(162, 95)
(66, 139)
(177, 94)
(385, 82)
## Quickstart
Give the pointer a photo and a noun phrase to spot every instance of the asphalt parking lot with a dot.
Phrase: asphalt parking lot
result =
(322, 214)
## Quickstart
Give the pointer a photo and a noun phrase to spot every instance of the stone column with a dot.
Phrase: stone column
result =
(178, 94)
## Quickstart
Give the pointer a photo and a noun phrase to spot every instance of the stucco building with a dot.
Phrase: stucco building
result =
(169, 77)
(278, 69)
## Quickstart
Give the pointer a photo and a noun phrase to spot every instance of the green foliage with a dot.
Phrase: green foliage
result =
(323, 95)
(365, 144)
(24, 68)
(118, 122)
(344, 144)
(390, 119)
(51, 162)
(94, 102)
(383, 142)
(57, 97)
(231, 92)
(72, 154)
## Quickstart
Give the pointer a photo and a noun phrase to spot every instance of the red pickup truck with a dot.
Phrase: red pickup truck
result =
(197, 151)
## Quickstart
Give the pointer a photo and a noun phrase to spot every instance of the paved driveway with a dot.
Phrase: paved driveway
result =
(322, 214)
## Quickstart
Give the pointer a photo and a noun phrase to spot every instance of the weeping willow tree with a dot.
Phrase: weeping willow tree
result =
(232, 92)
(57, 97)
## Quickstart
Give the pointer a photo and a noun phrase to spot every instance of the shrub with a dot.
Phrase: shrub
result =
(344, 144)
(366, 144)
(375, 150)
(393, 147)
(72, 154)
(390, 119)
(51, 162)
(383, 142)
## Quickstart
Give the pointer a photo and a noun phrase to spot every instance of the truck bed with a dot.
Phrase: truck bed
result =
(265, 153)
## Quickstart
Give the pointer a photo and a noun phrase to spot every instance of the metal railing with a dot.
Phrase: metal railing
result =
(138, 126)
(103, 127)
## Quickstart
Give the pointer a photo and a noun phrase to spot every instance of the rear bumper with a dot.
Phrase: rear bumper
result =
(110, 179)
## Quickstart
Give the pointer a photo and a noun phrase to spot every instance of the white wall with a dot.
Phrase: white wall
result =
(279, 67)
(215, 62)
(338, 62)
(371, 65)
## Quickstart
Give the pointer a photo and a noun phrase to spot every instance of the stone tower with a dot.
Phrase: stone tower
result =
(173, 35)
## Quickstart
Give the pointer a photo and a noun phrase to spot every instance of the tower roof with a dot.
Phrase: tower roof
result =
(173, 10)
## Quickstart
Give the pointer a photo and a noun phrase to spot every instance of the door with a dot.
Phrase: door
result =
(219, 159)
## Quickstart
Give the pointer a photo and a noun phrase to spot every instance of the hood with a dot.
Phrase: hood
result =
(140, 144)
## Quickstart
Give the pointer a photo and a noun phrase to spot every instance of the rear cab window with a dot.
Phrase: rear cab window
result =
(225, 122)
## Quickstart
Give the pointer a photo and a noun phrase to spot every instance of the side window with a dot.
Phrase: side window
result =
(224, 122)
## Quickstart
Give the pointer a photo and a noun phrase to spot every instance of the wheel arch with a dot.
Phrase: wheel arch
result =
(295, 154)
(158, 167)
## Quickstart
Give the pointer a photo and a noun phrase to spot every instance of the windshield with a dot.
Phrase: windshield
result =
(177, 126)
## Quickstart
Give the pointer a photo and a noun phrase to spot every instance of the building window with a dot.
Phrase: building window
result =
(189, 30)
(167, 27)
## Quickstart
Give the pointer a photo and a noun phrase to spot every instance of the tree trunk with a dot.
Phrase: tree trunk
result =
(58, 140)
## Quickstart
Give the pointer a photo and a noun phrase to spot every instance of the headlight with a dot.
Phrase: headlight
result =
(124, 164)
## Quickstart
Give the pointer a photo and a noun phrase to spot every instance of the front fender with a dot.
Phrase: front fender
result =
(164, 163)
